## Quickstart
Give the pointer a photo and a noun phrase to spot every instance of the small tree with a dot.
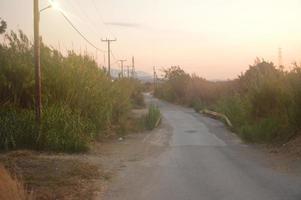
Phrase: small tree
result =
(3, 26)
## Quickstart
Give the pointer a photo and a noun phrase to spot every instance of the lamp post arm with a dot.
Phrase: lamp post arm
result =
(45, 8)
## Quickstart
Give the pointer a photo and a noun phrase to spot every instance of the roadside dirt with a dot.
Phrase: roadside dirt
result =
(120, 155)
(83, 176)
(287, 157)
(54, 176)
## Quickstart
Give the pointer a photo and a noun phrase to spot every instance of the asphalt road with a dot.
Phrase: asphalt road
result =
(203, 161)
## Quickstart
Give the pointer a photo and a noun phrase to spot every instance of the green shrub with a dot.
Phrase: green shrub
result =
(197, 105)
(263, 103)
(265, 130)
(60, 130)
(17, 128)
(152, 118)
(63, 130)
(78, 98)
(235, 108)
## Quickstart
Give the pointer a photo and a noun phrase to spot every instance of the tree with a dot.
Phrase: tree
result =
(3, 26)
(176, 80)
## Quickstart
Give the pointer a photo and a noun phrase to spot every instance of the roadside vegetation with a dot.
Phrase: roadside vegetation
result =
(263, 103)
(80, 102)
(153, 117)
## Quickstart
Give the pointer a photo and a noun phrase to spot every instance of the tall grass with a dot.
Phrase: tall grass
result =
(153, 117)
(263, 104)
(80, 102)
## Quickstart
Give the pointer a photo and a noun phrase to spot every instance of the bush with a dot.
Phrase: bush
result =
(79, 100)
(17, 128)
(197, 105)
(235, 108)
(152, 118)
(263, 131)
(60, 130)
(263, 103)
(64, 130)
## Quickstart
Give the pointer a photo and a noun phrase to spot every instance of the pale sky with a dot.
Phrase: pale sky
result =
(216, 39)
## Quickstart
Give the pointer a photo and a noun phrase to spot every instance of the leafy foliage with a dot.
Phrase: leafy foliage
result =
(79, 101)
(3, 26)
(263, 104)
(152, 118)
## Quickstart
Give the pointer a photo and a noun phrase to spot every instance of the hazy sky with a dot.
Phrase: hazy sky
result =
(216, 39)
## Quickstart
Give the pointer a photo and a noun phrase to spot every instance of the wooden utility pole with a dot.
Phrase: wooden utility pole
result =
(280, 58)
(133, 67)
(155, 78)
(37, 64)
(109, 53)
(121, 66)
(104, 60)
(128, 71)
(96, 59)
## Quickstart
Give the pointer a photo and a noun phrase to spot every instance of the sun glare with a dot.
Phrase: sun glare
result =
(55, 5)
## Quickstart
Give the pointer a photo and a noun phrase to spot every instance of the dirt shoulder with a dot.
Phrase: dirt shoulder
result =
(286, 157)
(82, 176)
(54, 176)
(120, 156)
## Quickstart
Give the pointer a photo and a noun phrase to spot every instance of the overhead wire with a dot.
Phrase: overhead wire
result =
(84, 37)
(100, 18)
(113, 55)
(88, 20)
(79, 32)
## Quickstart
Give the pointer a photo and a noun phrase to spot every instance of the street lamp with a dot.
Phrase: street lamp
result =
(37, 57)
(52, 4)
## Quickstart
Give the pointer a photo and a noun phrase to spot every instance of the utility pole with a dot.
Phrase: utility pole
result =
(37, 64)
(96, 59)
(104, 60)
(121, 66)
(155, 78)
(280, 58)
(133, 66)
(109, 53)
(59, 43)
(128, 71)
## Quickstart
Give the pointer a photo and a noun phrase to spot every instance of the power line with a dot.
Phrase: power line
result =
(96, 8)
(114, 57)
(82, 35)
(82, 12)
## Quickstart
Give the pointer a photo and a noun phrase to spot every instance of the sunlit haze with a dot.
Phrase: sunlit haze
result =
(216, 39)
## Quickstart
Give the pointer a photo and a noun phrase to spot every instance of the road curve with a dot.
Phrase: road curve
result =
(203, 161)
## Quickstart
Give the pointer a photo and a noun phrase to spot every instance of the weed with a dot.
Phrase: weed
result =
(152, 118)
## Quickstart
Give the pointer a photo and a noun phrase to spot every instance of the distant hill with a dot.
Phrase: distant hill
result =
(141, 75)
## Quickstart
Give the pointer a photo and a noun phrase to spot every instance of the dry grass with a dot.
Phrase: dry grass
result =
(51, 177)
(11, 188)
